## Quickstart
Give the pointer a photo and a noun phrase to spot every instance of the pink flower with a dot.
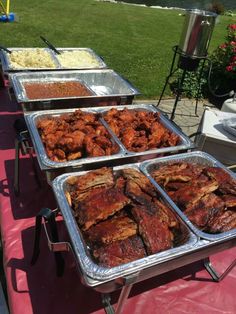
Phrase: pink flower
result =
(232, 26)
(233, 58)
(229, 68)
(223, 46)
(233, 43)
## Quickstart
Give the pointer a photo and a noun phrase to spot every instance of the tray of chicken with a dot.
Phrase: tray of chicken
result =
(66, 139)
(70, 89)
(144, 130)
(200, 189)
(118, 222)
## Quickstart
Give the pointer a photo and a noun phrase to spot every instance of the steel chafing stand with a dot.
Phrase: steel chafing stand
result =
(202, 250)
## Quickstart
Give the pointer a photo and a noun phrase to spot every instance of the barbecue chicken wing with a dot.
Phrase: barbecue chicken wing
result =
(140, 130)
(76, 135)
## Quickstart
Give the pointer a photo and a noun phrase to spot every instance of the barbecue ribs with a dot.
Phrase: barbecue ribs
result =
(155, 232)
(207, 195)
(117, 211)
(120, 252)
(111, 230)
(99, 206)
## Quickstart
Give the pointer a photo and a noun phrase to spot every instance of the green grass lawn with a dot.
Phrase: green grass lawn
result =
(134, 41)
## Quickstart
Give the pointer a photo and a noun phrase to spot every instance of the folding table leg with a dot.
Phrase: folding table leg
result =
(123, 297)
(106, 300)
(36, 175)
(16, 170)
(214, 274)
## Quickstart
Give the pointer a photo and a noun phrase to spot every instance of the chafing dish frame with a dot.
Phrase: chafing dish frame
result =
(201, 250)
(107, 86)
(53, 169)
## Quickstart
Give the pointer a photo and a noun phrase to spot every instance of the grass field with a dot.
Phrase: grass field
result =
(134, 41)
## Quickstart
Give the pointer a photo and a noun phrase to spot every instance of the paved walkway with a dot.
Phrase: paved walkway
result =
(185, 116)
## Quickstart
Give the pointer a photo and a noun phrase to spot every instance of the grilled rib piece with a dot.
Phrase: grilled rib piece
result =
(99, 206)
(177, 172)
(223, 221)
(102, 177)
(165, 214)
(166, 170)
(201, 212)
(81, 187)
(189, 195)
(227, 185)
(134, 192)
(111, 230)
(120, 252)
(230, 200)
(140, 180)
(155, 233)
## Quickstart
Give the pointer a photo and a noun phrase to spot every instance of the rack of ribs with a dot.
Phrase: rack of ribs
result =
(120, 252)
(207, 195)
(120, 215)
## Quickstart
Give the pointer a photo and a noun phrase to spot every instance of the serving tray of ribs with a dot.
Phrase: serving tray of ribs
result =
(200, 189)
(118, 222)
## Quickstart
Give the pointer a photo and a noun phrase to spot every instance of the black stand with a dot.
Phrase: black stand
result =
(22, 144)
(187, 64)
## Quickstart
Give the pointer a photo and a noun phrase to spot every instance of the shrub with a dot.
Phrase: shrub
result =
(224, 62)
(193, 86)
(217, 7)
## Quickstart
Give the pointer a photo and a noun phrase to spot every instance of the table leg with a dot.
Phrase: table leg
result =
(106, 300)
(122, 298)
(214, 274)
(16, 170)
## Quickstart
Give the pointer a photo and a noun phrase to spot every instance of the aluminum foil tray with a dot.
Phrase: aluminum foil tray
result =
(87, 265)
(44, 162)
(101, 82)
(101, 63)
(47, 164)
(192, 157)
(184, 142)
(7, 67)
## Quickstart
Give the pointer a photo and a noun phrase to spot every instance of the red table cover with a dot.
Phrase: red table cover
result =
(37, 289)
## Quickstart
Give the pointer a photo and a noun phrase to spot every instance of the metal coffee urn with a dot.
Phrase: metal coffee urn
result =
(195, 38)
(194, 42)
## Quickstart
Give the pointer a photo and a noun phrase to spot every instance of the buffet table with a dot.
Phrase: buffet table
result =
(37, 289)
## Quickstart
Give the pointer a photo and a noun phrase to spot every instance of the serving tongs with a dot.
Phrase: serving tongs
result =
(5, 49)
(50, 45)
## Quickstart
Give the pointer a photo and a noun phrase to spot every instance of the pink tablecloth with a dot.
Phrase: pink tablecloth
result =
(37, 289)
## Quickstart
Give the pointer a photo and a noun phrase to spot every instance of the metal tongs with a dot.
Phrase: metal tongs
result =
(50, 45)
(5, 49)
